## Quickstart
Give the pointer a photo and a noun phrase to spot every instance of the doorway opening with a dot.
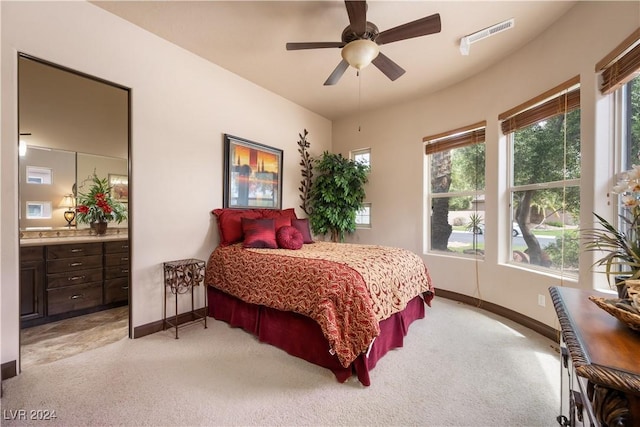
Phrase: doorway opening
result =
(74, 279)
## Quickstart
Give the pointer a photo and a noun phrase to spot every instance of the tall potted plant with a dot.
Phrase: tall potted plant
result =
(336, 195)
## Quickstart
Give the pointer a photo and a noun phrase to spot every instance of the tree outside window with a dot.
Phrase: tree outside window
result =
(457, 181)
(545, 193)
(631, 116)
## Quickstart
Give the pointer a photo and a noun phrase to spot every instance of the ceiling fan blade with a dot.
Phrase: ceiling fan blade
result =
(313, 45)
(337, 73)
(357, 11)
(388, 67)
(421, 27)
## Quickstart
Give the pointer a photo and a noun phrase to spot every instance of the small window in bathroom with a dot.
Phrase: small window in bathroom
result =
(39, 175)
(38, 210)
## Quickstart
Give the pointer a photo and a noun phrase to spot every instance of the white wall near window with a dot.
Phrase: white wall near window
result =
(574, 44)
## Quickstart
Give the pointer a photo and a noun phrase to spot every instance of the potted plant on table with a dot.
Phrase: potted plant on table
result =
(97, 208)
(621, 246)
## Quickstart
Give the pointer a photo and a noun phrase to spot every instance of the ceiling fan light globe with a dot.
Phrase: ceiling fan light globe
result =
(360, 53)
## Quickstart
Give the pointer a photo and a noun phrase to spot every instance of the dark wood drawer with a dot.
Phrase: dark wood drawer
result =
(116, 247)
(70, 298)
(115, 272)
(73, 250)
(114, 260)
(68, 265)
(31, 253)
(74, 278)
(116, 290)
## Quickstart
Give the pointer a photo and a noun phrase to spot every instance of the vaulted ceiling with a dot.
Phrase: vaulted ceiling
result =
(248, 38)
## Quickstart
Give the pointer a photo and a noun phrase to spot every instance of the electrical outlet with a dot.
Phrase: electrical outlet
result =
(541, 300)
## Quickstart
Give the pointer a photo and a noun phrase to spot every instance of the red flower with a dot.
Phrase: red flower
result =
(82, 209)
(104, 205)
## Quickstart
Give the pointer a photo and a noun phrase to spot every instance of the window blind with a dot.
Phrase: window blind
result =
(468, 135)
(620, 65)
(545, 106)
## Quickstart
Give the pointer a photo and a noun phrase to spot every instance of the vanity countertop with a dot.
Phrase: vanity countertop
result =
(56, 237)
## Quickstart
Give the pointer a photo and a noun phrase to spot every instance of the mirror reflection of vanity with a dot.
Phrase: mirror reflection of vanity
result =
(71, 126)
(50, 181)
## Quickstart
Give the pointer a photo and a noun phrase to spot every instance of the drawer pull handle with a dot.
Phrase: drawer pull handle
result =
(125, 270)
(76, 250)
(75, 264)
(124, 258)
(76, 278)
(125, 288)
(76, 296)
(125, 246)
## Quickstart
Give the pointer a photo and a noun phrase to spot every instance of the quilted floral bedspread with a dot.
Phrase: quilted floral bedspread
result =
(346, 288)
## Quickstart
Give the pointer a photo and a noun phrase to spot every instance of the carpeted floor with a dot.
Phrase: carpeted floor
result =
(460, 366)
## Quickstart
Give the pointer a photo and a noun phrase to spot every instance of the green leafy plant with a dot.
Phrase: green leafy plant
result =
(621, 249)
(621, 246)
(475, 226)
(337, 195)
(475, 223)
(97, 204)
(565, 251)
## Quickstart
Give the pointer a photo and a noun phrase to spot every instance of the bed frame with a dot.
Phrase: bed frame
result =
(302, 337)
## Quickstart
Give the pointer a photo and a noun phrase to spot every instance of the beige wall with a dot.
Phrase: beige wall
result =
(570, 47)
(181, 106)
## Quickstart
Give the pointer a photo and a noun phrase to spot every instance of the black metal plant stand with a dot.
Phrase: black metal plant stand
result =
(180, 277)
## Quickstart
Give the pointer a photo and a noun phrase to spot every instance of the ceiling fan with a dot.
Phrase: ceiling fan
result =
(360, 41)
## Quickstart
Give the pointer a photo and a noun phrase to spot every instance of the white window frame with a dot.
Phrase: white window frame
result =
(39, 175)
(354, 154)
(512, 188)
(430, 196)
(44, 207)
(364, 214)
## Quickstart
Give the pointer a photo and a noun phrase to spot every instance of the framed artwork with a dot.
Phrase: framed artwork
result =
(252, 174)
(119, 187)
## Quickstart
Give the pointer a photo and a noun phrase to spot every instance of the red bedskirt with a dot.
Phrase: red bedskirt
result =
(300, 336)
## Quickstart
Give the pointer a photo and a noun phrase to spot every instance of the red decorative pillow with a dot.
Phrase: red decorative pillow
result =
(289, 237)
(302, 225)
(259, 233)
(283, 217)
(230, 223)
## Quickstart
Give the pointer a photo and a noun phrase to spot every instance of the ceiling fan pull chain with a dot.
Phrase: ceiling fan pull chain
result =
(359, 100)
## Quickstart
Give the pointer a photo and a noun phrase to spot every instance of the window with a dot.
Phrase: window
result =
(621, 78)
(544, 144)
(38, 175)
(38, 210)
(363, 216)
(456, 171)
(362, 156)
(630, 115)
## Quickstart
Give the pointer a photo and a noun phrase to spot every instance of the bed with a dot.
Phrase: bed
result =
(338, 305)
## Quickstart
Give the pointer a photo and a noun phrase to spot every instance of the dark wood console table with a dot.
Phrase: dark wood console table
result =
(604, 354)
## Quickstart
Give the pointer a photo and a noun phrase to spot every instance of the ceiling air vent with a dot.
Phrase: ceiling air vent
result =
(466, 41)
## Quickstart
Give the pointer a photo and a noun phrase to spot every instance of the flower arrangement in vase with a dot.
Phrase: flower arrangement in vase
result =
(97, 207)
(621, 246)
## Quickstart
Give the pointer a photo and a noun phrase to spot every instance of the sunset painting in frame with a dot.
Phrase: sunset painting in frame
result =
(252, 174)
